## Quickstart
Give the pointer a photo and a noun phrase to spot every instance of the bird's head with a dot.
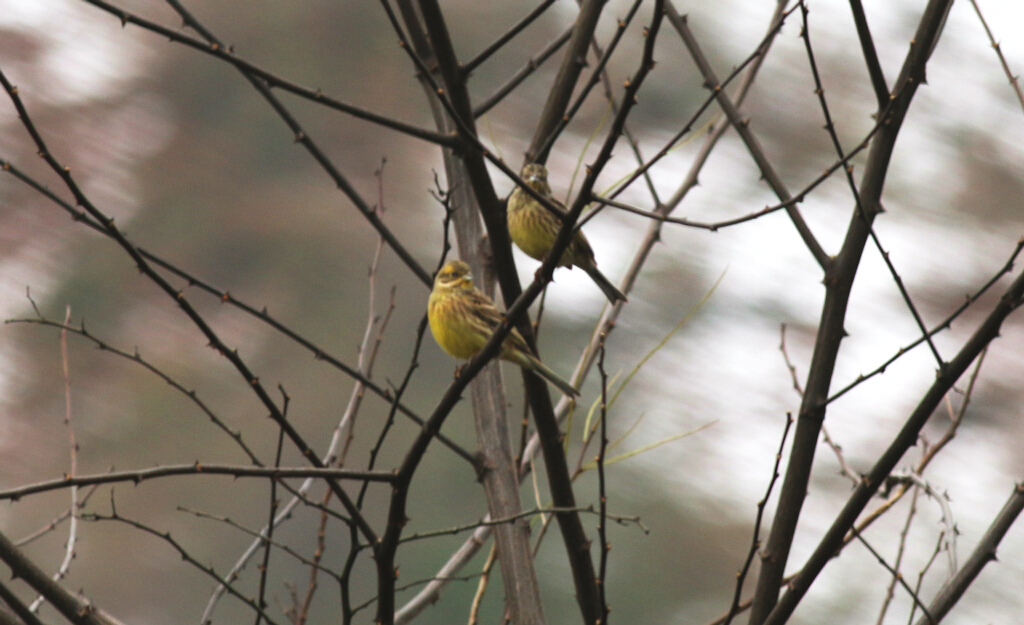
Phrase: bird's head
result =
(535, 175)
(454, 275)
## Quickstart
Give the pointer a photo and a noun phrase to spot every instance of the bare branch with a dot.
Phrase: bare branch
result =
(742, 127)
(1013, 78)
(831, 129)
(498, 43)
(263, 86)
(838, 283)
(895, 575)
(984, 553)
(833, 538)
(226, 53)
(867, 46)
(198, 468)
(755, 540)
(522, 74)
(565, 82)
(74, 609)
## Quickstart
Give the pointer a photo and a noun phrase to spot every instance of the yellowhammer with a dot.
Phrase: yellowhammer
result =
(534, 229)
(462, 318)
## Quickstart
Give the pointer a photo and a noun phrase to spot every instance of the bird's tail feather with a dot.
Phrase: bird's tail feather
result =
(610, 290)
(543, 371)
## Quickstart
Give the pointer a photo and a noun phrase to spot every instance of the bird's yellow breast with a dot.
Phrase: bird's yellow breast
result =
(534, 230)
(451, 327)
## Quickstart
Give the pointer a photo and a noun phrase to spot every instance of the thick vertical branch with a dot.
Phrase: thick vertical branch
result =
(470, 547)
(565, 82)
(838, 283)
(499, 478)
(573, 534)
(905, 439)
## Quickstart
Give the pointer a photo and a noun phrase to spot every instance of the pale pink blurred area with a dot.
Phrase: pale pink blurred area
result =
(196, 167)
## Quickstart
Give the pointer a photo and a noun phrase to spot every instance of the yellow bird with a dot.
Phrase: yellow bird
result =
(534, 229)
(462, 319)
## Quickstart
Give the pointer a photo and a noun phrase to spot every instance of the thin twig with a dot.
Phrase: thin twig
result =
(263, 85)
(831, 129)
(137, 358)
(930, 453)
(1013, 78)
(921, 574)
(568, 75)
(251, 379)
(604, 546)
(606, 325)
(755, 541)
(52, 525)
(748, 69)
(634, 144)
(272, 513)
(986, 332)
(983, 553)
(524, 72)
(338, 445)
(942, 325)
(497, 44)
(947, 520)
(197, 468)
(753, 145)
(481, 588)
(185, 555)
(69, 546)
(595, 77)
(844, 468)
(261, 536)
(895, 575)
(226, 53)
(768, 607)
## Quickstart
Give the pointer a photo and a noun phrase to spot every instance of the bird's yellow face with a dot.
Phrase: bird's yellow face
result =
(454, 275)
(536, 175)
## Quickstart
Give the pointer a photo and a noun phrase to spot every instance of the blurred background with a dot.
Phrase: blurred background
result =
(194, 165)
